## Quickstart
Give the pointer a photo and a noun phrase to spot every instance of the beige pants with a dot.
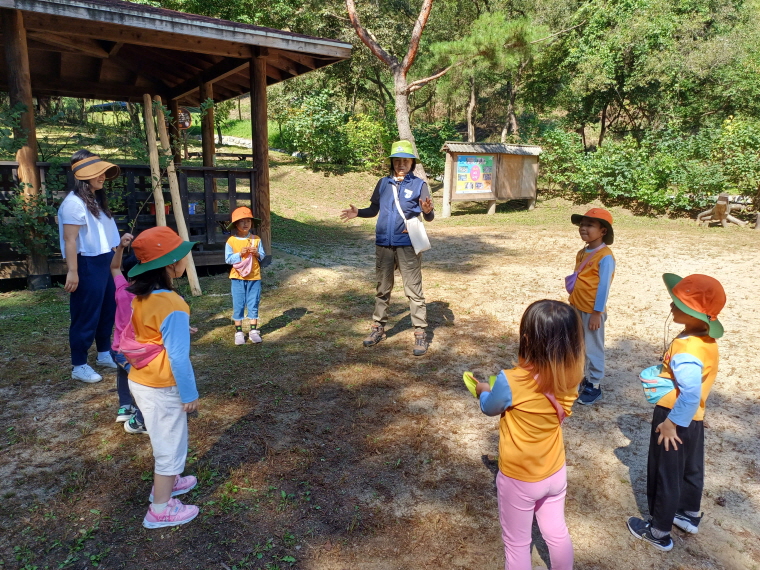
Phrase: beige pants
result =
(410, 266)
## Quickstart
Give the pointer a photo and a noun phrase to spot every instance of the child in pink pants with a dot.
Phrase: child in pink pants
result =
(533, 399)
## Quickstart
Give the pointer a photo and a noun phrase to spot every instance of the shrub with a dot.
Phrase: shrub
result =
(368, 142)
(429, 139)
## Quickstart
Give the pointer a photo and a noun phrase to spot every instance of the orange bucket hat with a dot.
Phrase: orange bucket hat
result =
(242, 213)
(699, 296)
(158, 247)
(604, 218)
(92, 167)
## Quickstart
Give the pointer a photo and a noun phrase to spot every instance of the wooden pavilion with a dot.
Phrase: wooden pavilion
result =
(116, 50)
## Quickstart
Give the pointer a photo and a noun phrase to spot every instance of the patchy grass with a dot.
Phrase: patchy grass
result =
(313, 452)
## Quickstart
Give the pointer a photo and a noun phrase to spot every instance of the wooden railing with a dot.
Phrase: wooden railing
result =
(206, 211)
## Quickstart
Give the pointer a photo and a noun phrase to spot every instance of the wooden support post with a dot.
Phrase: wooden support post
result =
(491, 207)
(448, 180)
(261, 151)
(179, 206)
(207, 125)
(20, 93)
(207, 134)
(174, 132)
(155, 167)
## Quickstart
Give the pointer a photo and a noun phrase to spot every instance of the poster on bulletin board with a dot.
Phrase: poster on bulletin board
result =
(474, 174)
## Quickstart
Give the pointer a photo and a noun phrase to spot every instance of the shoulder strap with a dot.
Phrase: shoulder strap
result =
(561, 415)
(395, 199)
(591, 254)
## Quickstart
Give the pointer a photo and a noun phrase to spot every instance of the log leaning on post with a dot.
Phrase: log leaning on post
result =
(155, 168)
(179, 217)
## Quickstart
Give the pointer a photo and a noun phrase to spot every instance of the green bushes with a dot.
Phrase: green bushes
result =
(666, 171)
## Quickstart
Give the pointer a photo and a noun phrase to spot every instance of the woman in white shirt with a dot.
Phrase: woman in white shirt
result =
(88, 233)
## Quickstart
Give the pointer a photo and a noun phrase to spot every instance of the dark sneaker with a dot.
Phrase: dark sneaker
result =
(589, 394)
(125, 413)
(420, 343)
(643, 530)
(687, 523)
(376, 335)
(133, 426)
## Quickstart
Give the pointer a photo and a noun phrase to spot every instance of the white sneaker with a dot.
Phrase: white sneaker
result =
(239, 338)
(105, 361)
(85, 373)
(255, 336)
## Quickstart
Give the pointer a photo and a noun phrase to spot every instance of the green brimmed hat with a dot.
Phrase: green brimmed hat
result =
(699, 296)
(402, 149)
(158, 247)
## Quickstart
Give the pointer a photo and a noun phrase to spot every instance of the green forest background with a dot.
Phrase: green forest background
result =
(652, 104)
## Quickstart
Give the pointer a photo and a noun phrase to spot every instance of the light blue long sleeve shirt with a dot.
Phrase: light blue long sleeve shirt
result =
(175, 330)
(231, 258)
(687, 369)
(606, 269)
(496, 401)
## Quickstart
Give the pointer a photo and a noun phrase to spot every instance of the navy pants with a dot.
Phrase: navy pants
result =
(675, 478)
(92, 307)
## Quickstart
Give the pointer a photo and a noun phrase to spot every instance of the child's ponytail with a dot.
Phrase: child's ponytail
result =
(552, 346)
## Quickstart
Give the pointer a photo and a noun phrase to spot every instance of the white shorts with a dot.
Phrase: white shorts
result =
(166, 423)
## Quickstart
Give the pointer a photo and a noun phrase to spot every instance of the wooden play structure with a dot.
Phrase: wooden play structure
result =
(494, 172)
(721, 213)
(119, 51)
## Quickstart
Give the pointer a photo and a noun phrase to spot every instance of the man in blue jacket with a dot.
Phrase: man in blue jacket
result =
(393, 248)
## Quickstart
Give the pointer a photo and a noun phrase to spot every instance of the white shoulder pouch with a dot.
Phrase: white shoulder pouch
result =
(414, 227)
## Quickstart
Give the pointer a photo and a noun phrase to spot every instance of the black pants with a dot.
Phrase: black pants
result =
(675, 478)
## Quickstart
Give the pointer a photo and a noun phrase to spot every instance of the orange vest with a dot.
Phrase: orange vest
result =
(531, 447)
(237, 245)
(702, 347)
(584, 293)
(148, 315)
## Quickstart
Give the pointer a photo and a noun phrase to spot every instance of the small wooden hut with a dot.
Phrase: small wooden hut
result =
(489, 171)
(116, 50)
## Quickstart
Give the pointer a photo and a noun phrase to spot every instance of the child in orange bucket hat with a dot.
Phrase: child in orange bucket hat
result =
(676, 467)
(589, 287)
(244, 251)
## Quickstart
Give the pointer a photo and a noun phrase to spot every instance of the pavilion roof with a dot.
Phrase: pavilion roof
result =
(116, 50)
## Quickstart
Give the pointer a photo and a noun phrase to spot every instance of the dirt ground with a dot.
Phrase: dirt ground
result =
(315, 453)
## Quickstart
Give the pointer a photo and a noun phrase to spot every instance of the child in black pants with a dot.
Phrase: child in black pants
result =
(675, 469)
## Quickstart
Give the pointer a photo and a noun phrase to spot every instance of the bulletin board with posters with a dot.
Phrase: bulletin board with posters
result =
(474, 176)
(492, 172)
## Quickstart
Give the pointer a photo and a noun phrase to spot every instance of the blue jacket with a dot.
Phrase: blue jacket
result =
(390, 228)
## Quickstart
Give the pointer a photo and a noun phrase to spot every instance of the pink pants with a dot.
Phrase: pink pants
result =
(518, 501)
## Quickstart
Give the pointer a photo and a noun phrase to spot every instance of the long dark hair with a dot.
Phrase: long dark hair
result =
(551, 345)
(145, 283)
(97, 202)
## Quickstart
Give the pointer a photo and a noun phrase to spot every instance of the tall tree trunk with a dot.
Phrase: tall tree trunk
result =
(404, 125)
(510, 126)
(603, 129)
(471, 111)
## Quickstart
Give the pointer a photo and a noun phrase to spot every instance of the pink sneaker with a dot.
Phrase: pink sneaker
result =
(239, 338)
(174, 514)
(181, 486)
(255, 336)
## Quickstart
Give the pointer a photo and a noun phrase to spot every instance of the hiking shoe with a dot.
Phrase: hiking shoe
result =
(239, 338)
(254, 336)
(85, 373)
(643, 530)
(134, 426)
(420, 343)
(375, 335)
(181, 486)
(174, 514)
(686, 522)
(106, 361)
(125, 413)
(589, 394)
